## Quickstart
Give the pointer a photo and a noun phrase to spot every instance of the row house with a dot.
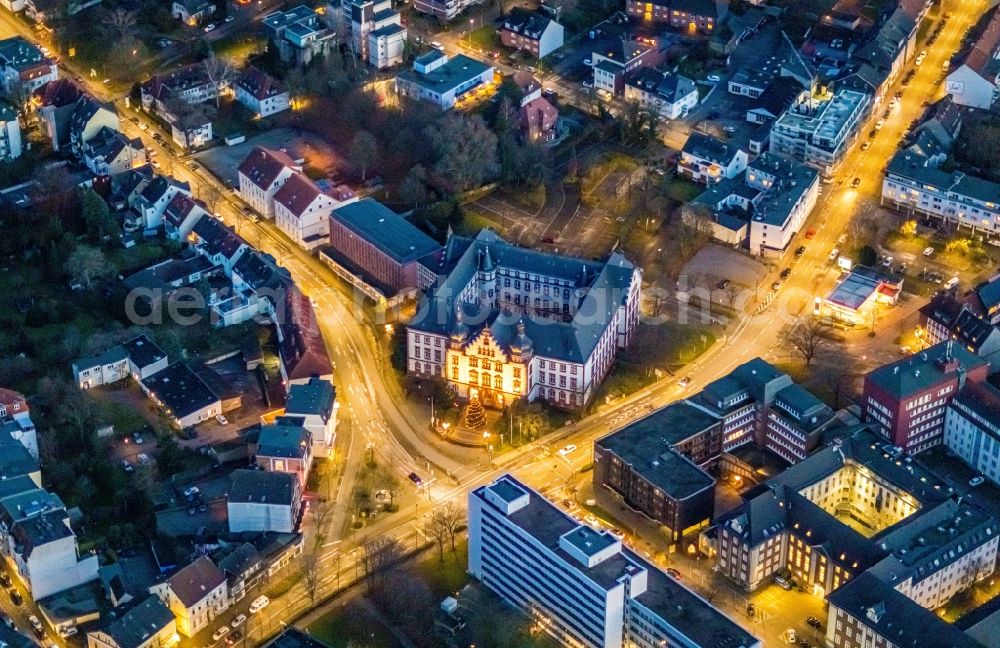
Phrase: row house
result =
(690, 16)
(533, 32)
(285, 448)
(181, 215)
(263, 501)
(972, 428)
(946, 318)
(196, 595)
(302, 211)
(45, 552)
(90, 117)
(109, 152)
(313, 405)
(54, 103)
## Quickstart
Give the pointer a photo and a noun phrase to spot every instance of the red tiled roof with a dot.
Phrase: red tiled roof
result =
(263, 166)
(260, 84)
(8, 397)
(538, 116)
(196, 581)
(58, 93)
(297, 193)
(302, 350)
(985, 46)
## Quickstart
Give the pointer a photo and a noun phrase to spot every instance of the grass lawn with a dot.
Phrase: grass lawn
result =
(485, 38)
(682, 190)
(345, 627)
(448, 576)
(474, 221)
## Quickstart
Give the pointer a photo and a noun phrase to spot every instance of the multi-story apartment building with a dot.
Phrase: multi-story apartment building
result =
(197, 595)
(709, 160)
(314, 406)
(944, 317)
(914, 185)
(642, 467)
(905, 528)
(505, 322)
(263, 501)
(378, 251)
(972, 428)
(369, 16)
(670, 96)
(906, 400)
(691, 16)
(614, 64)
(775, 195)
(533, 32)
(24, 68)
(261, 174)
(299, 34)
(10, 132)
(580, 585)
(443, 10)
(190, 84)
(386, 46)
(818, 128)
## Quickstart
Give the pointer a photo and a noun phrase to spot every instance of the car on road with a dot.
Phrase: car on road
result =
(782, 583)
(15, 597)
(36, 625)
(928, 251)
(810, 234)
(438, 46)
(238, 621)
(865, 146)
(834, 253)
(855, 183)
(221, 419)
(233, 637)
(714, 78)
(684, 382)
(262, 602)
(722, 284)
(785, 273)
(229, 19)
(676, 575)
(415, 478)
(126, 466)
(209, 27)
(776, 285)
(814, 622)
(191, 491)
(567, 450)
(220, 633)
(5, 579)
(751, 610)
(977, 480)
(588, 84)
(799, 251)
(588, 62)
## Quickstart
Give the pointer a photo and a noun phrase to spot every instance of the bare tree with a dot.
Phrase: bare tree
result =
(449, 519)
(808, 337)
(364, 152)
(378, 555)
(388, 482)
(732, 292)
(121, 24)
(311, 574)
(220, 73)
(438, 534)
(321, 512)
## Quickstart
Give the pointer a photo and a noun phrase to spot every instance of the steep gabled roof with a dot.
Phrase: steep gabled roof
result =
(263, 166)
(196, 581)
(297, 194)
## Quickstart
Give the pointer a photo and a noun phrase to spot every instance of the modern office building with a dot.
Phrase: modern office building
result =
(818, 128)
(972, 428)
(580, 585)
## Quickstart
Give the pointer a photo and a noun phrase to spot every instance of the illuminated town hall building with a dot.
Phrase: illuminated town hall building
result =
(503, 322)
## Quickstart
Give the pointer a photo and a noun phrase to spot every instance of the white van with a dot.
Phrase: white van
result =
(951, 283)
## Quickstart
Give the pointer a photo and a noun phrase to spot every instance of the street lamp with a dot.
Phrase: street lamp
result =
(472, 21)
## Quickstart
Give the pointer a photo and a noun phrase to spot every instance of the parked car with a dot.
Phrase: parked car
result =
(567, 450)
(865, 146)
(776, 285)
(238, 621)
(191, 491)
(783, 583)
(588, 84)
(810, 234)
(684, 382)
(676, 575)
(261, 602)
(137, 437)
(723, 284)
(68, 632)
(879, 124)
(144, 459)
(233, 637)
(855, 183)
(834, 253)
(229, 19)
(799, 251)
(814, 622)
(209, 27)
(220, 633)
(36, 625)
(928, 251)
(15, 597)
(977, 480)
(126, 466)
(222, 419)
(5, 579)
(887, 262)
(714, 78)
(588, 62)
(785, 273)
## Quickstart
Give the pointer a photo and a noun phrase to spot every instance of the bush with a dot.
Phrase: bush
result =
(867, 256)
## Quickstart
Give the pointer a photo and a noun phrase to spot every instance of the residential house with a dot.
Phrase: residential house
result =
(10, 132)
(150, 624)
(126, 187)
(190, 129)
(190, 84)
(263, 501)
(691, 16)
(102, 369)
(258, 288)
(669, 96)
(818, 128)
(612, 66)
(369, 16)
(906, 400)
(285, 449)
(88, 119)
(538, 121)
(548, 326)
(946, 318)
(986, 299)
(913, 185)
(15, 418)
(45, 554)
(211, 238)
(181, 215)
(443, 10)
(261, 93)
(109, 152)
(708, 160)
(183, 396)
(377, 250)
(196, 595)
(301, 350)
(890, 50)
(531, 31)
(442, 81)
(314, 405)
(144, 357)
(156, 284)
(973, 81)
(242, 564)
(54, 104)
(192, 12)
(261, 174)
(299, 35)
(152, 202)
(23, 68)
(520, 544)
(773, 103)
(302, 211)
